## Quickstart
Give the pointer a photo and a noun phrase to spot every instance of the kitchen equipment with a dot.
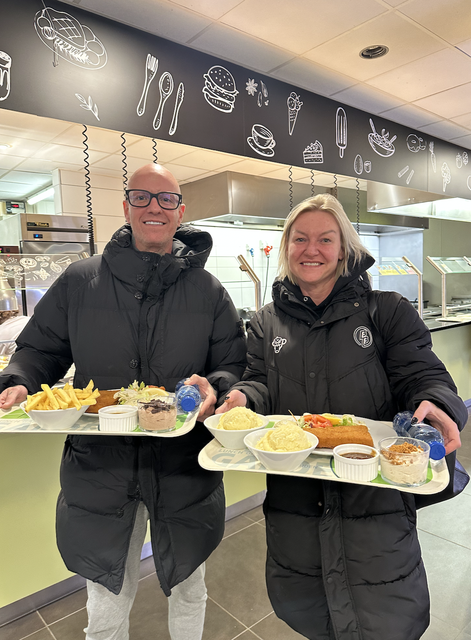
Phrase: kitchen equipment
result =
(47, 244)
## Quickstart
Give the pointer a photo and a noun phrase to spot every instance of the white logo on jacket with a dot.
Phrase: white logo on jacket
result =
(363, 337)
(278, 343)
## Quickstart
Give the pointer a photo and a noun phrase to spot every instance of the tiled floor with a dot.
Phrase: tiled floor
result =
(238, 606)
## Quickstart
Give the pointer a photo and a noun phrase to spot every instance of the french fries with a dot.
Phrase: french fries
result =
(61, 398)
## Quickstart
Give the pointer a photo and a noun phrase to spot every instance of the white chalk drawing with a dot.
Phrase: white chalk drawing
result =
(220, 89)
(28, 263)
(313, 153)
(166, 86)
(294, 106)
(56, 267)
(433, 157)
(468, 183)
(251, 87)
(465, 158)
(358, 164)
(263, 95)
(341, 130)
(459, 160)
(176, 109)
(380, 143)
(367, 166)
(403, 171)
(68, 38)
(5, 75)
(88, 105)
(152, 65)
(262, 140)
(446, 175)
(415, 143)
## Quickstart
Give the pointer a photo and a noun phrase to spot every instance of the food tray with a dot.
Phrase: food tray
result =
(17, 421)
(215, 457)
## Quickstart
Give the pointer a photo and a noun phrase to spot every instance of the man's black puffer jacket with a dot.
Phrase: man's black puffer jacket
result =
(120, 317)
(344, 561)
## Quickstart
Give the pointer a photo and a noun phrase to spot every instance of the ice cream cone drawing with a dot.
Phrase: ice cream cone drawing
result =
(433, 158)
(294, 105)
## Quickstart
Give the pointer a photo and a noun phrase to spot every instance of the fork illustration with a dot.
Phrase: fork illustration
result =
(151, 69)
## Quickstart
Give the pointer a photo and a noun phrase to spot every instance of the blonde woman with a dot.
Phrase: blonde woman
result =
(344, 561)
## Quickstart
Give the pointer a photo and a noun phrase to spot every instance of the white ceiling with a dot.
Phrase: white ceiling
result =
(423, 82)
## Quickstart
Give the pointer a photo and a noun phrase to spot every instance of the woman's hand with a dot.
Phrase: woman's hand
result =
(233, 399)
(12, 395)
(208, 396)
(441, 421)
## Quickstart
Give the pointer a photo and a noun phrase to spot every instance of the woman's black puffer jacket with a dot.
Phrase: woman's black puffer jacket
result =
(344, 561)
(120, 317)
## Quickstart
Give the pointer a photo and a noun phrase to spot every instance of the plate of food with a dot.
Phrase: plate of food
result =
(332, 430)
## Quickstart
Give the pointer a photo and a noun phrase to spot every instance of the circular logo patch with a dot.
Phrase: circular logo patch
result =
(363, 337)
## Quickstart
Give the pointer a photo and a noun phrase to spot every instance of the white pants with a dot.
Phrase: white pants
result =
(108, 614)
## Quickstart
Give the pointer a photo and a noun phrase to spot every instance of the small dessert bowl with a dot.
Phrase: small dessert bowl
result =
(404, 461)
(357, 462)
(158, 414)
(117, 418)
(279, 460)
(231, 438)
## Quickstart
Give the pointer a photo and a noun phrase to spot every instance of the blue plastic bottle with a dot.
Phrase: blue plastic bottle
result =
(188, 396)
(422, 431)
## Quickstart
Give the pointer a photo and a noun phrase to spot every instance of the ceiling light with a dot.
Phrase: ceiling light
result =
(41, 195)
(5, 146)
(374, 51)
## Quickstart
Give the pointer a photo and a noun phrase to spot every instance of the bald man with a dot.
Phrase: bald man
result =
(144, 310)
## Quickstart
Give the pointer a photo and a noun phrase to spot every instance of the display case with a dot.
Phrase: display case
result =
(446, 267)
(28, 276)
(386, 266)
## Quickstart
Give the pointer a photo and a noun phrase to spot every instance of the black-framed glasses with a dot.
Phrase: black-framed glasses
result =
(140, 198)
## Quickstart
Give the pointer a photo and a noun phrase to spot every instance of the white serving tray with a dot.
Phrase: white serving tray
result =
(88, 425)
(319, 465)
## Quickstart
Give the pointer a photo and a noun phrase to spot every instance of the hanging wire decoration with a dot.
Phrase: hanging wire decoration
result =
(335, 186)
(125, 166)
(312, 183)
(154, 150)
(88, 191)
(290, 176)
(358, 205)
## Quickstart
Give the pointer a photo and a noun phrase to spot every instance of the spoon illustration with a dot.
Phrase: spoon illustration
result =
(166, 88)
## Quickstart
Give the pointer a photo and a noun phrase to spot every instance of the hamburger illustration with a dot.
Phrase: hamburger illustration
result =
(220, 89)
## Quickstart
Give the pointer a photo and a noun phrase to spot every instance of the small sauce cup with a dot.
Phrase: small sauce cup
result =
(359, 468)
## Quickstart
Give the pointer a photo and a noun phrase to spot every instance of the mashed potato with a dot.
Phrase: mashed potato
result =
(286, 436)
(239, 418)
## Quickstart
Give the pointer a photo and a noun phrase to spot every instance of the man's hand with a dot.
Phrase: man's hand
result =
(208, 396)
(233, 399)
(441, 421)
(12, 395)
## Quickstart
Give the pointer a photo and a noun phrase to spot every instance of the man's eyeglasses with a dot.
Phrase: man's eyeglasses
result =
(140, 198)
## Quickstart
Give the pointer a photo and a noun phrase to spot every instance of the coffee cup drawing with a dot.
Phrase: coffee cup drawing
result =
(262, 140)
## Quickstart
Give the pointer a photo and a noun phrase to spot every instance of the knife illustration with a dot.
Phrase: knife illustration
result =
(178, 104)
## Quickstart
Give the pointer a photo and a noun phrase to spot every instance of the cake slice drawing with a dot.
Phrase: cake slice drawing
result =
(313, 153)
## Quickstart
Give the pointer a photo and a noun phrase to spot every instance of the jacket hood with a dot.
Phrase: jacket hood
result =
(191, 248)
(286, 294)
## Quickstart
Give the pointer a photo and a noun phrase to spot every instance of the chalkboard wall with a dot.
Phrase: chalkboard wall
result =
(61, 62)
